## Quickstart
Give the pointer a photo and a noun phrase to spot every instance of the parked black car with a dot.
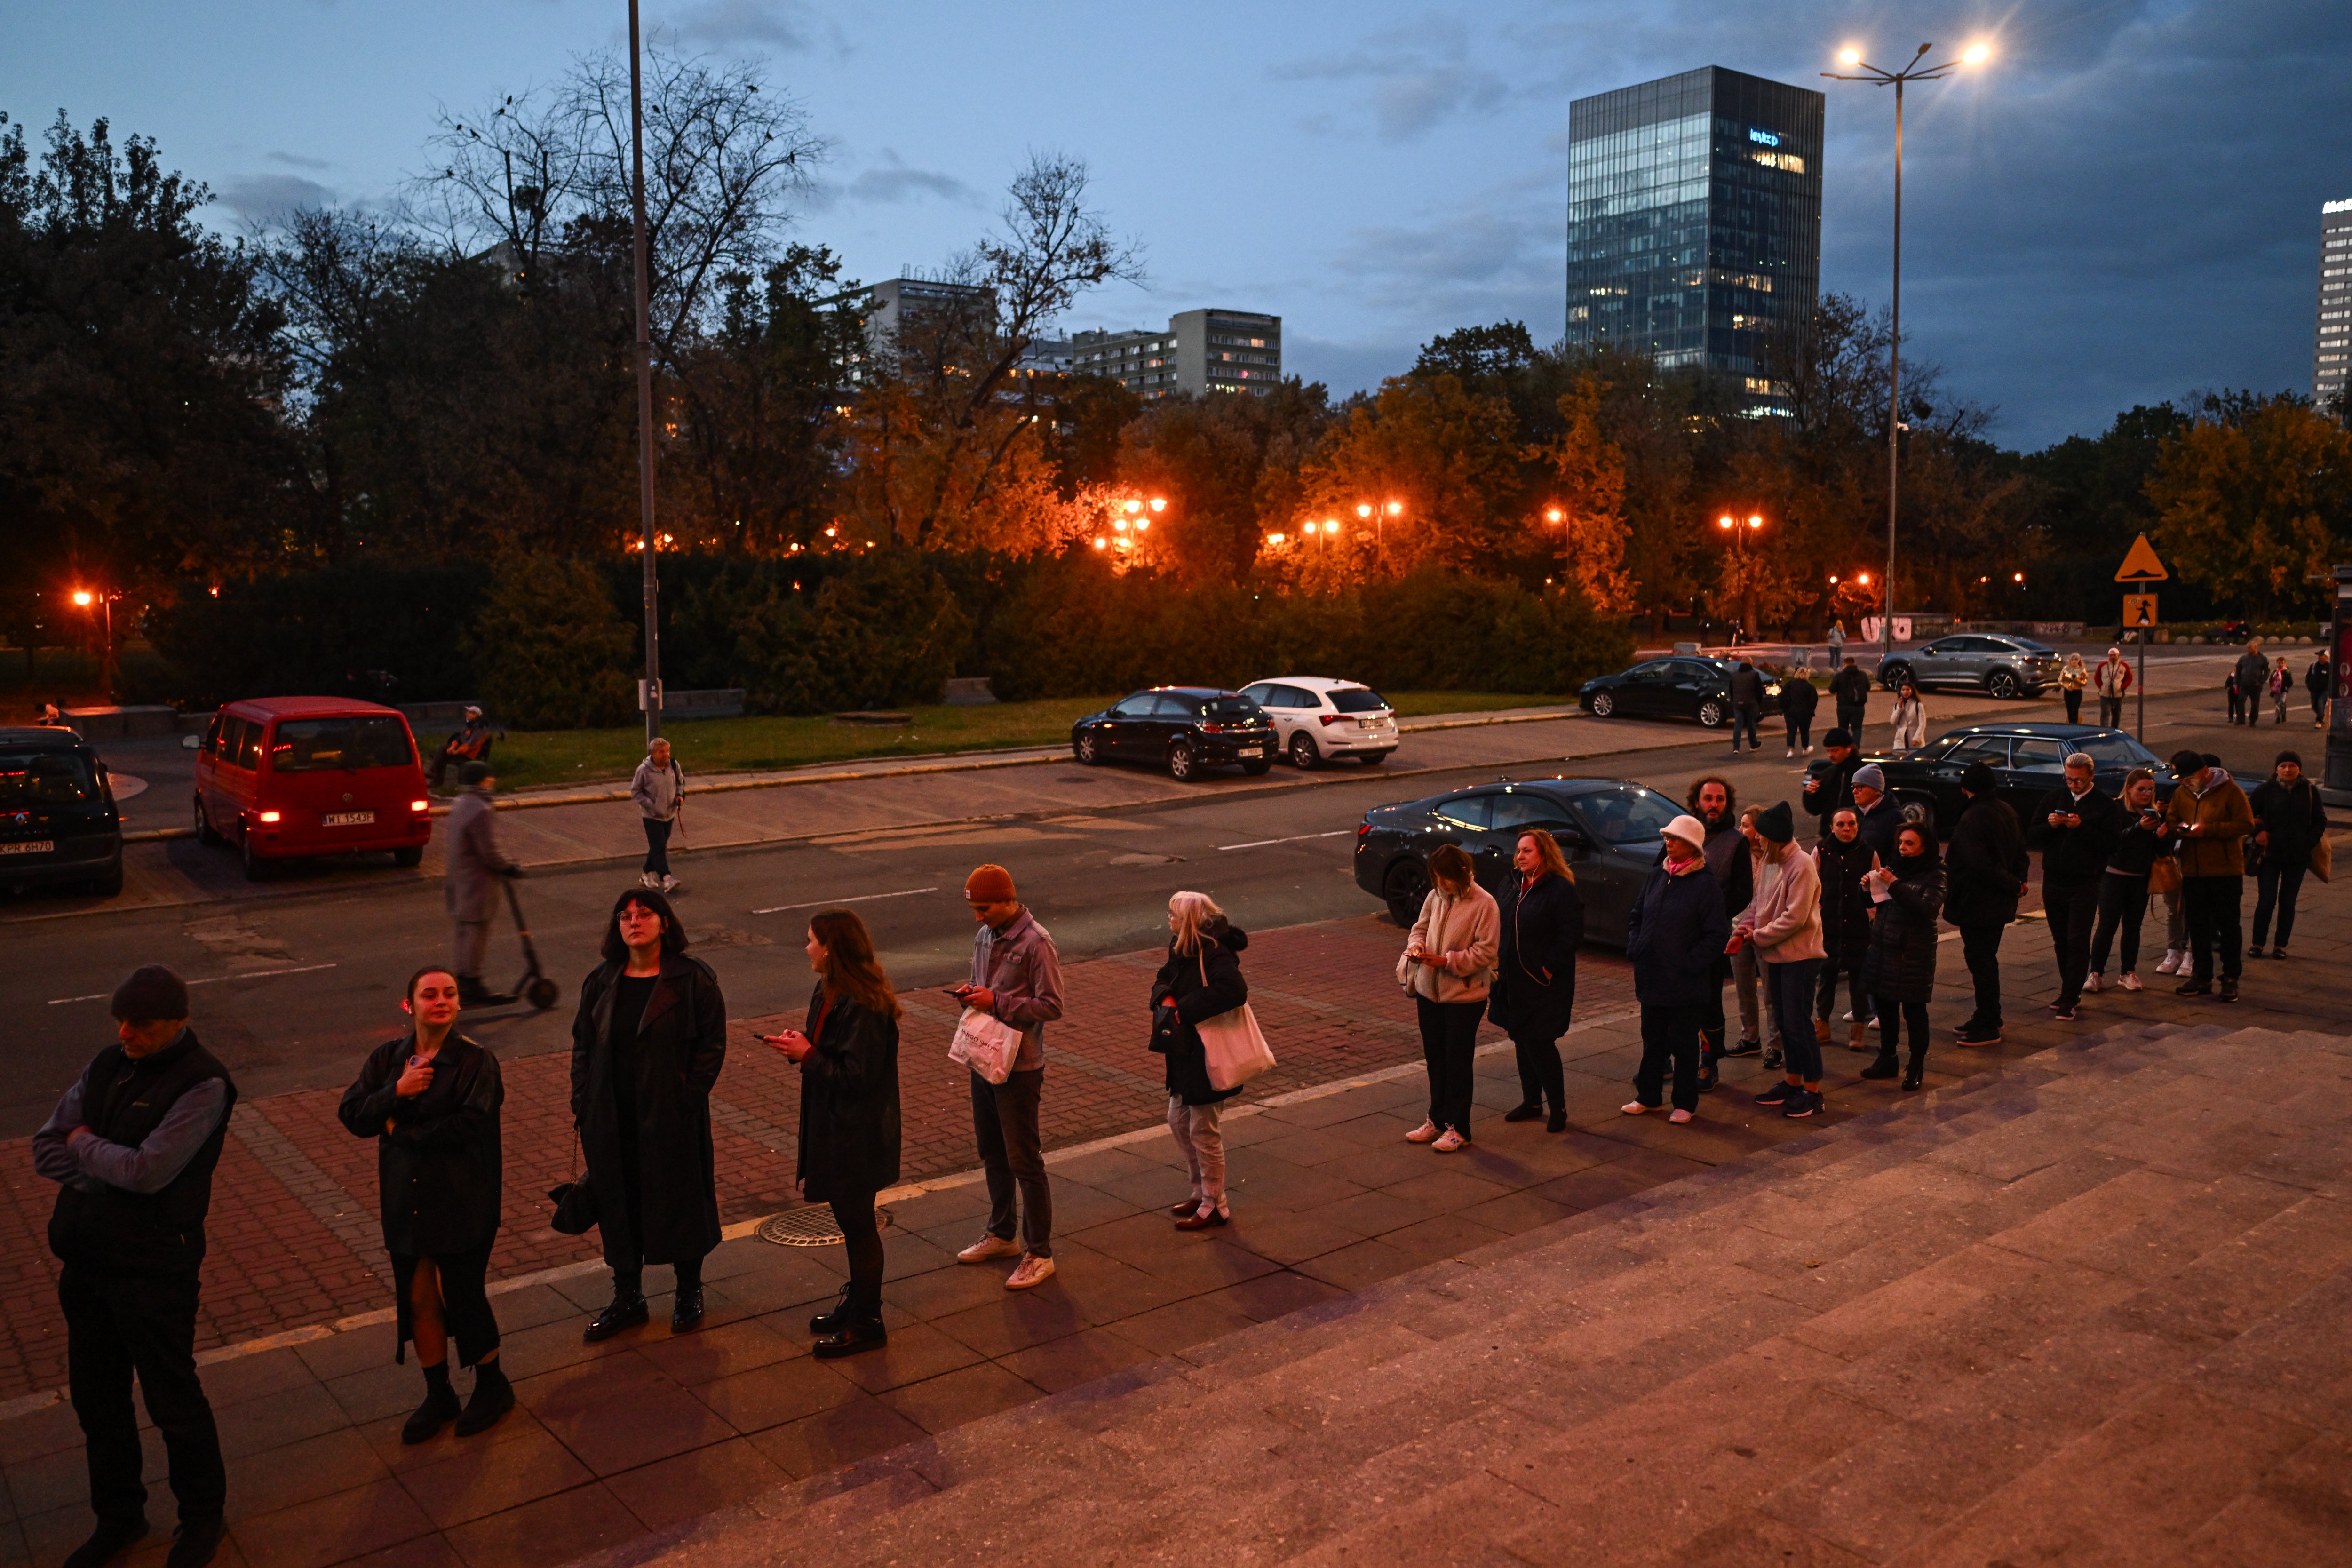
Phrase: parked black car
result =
(1997, 664)
(1180, 728)
(58, 817)
(1609, 828)
(1682, 687)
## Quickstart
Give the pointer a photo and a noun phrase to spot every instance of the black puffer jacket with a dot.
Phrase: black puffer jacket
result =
(1798, 698)
(1901, 962)
(1845, 903)
(1986, 864)
(1200, 986)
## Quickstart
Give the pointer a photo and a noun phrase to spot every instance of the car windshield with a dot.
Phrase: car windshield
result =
(1234, 707)
(45, 778)
(1357, 699)
(1629, 815)
(319, 746)
(2117, 751)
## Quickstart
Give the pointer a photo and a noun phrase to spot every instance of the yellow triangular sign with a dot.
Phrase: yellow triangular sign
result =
(2140, 565)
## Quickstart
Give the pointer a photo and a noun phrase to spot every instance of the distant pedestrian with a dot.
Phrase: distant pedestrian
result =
(1746, 707)
(1849, 690)
(475, 864)
(1714, 804)
(1799, 701)
(1910, 719)
(2113, 678)
(1448, 964)
(2073, 674)
(659, 790)
(2125, 885)
(132, 1146)
(1016, 979)
(2236, 694)
(2281, 687)
(1540, 924)
(1985, 872)
(2253, 673)
(1841, 861)
(1832, 789)
(430, 1099)
(2290, 820)
(1784, 928)
(1901, 972)
(471, 743)
(2075, 826)
(47, 717)
(1881, 814)
(1673, 930)
(1201, 979)
(847, 1052)
(2209, 820)
(2315, 680)
(1837, 641)
(648, 1046)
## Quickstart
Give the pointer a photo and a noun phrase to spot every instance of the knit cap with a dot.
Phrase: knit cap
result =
(1776, 823)
(990, 885)
(152, 995)
(1868, 776)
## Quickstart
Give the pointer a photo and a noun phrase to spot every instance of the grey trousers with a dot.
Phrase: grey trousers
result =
(472, 946)
(1747, 972)
(1200, 1137)
(1004, 1126)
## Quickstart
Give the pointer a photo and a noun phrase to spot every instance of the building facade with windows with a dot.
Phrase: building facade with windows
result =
(1695, 221)
(1199, 351)
(2332, 360)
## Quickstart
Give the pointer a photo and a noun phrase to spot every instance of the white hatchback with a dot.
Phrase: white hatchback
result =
(1316, 717)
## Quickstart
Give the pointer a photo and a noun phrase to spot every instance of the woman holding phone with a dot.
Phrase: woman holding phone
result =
(1447, 965)
(848, 1057)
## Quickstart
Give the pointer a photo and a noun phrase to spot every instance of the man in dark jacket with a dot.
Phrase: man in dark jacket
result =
(1533, 994)
(2253, 673)
(1986, 867)
(132, 1146)
(1832, 789)
(2075, 826)
(476, 863)
(1715, 806)
(1798, 702)
(1881, 813)
(1673, 933)
(2315, 680)
(1849, 690)
(1746, 707)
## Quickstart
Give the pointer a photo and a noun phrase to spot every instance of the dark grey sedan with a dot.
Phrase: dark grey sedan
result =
(1997, 664)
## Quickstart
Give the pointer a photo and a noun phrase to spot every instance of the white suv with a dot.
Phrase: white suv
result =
(1316, 717)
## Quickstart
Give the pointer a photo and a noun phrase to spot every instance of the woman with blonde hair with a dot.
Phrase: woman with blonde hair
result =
(1911, 719)
(1201, 980)
(1448, 964)
(2073, 674)
(1541, 924)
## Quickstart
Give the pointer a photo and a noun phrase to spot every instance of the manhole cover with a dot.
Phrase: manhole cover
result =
(810, 1226)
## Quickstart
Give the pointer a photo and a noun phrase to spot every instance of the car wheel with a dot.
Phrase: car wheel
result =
(1303, 755)
(205, 834)
(2001, 684)
(1084, 749)
(1603, 704)
(1406, 886)
(1893, 674)
(1712, 714)
(412, 856)
(257, 869)
(1372, 759)
(1259, 769)
(1183, 765)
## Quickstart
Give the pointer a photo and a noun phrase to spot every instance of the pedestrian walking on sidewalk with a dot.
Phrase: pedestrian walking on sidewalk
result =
(469, 882)
(2315, 680)
(1448, 964)
(2253, 673)
(648, 1046)
(1985, 867)
(1539, 926)
(1714, 804)
(2075, 826)
(659, 790)
(1901, 970)
(430, 1099)
(132, 1146)
(1840, 862)
(2073, 674)
(2208, 820)
(848, 1057)
(2281, 686)
(2125, 884)
(2113, 678)
(1850, 690)
(2290, 821)
(1673, 930)
(1201, 979)
(1799, 702)
(1016, 978)
(1783, 927)
(1746, 707)
(1910, 718)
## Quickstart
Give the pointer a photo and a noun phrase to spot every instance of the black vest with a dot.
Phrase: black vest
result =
(143, 1233)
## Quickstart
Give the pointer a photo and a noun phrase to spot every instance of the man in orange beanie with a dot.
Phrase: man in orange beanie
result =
(1016, 977)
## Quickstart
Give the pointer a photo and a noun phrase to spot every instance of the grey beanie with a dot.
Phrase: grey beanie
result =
(1868, 776)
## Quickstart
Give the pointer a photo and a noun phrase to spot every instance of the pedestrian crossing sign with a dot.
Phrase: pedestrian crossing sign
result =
(2139, 610)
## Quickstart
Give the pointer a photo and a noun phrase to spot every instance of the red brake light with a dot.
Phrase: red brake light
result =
(1362, 828)
(269, 816)
(420, 805)
(1330, 718)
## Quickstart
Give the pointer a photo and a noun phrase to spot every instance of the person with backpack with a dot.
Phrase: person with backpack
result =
(1200, 980)
(1849, 690)
(659, 790)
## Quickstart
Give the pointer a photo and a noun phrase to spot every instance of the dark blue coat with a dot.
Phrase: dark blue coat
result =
(1675, 933)
(1534, 990)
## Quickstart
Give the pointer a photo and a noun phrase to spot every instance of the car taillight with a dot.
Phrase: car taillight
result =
(269, 816)
(420, 805)
(1362, 828)
(1330, 718)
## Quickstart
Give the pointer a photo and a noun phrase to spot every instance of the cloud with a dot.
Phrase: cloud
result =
(777, 24)
(296, 161)
(1421, 76)
(266, 199)
(891, 182)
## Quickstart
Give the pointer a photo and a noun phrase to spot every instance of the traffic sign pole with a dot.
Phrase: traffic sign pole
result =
(2141, 565)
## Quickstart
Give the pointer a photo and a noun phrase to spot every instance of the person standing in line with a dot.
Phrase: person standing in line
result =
(1200, 979)
(659, 790)
(2315, 680)
(1907, 895)
(1910, 719)
(648, 1046)
(1831, 790)
(1757, 1013)
(1879, 815)
(1985, 874)
(1016, 979)
(2290, 819)
(2209, 820)
(475, 864)
(2113, 678)
(1840, 862)
(132, 1146)
(848, 1057)
(2075, 826)
(1784, 928)
(430, 1099)
(1539, 924)
(2073, 674)
(1799, 701)
(2124, 885)
(2282, 688)
(1448, 964)
(2253, 673)
(1714, 806)
(1673, 931)
(1746, 707)
(1849, 690)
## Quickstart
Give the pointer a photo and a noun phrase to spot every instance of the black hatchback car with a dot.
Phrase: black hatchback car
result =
(58, 817)
(1609, 829)
(1683, 687)
(1183, 729)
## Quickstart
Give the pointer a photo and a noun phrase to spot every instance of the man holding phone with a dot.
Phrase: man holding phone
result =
(2075, 826)
(1016, 978)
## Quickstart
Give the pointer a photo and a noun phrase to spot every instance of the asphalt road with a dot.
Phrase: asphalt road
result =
(317, 973)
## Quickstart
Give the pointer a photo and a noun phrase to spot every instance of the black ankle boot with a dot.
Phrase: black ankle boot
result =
(1914, 1070)
(440, 1406)
(1883, 1066)
(626, 1312)
(864, 1332)
(685, 1310)
(837, 1317)
(493, 1396)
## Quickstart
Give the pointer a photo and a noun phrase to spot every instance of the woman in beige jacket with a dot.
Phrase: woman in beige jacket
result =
(1447, 965)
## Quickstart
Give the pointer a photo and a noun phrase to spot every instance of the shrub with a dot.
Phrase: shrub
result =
(319, 633)
(550, 648)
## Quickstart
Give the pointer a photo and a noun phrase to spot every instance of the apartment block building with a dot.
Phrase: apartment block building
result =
(1199, 350)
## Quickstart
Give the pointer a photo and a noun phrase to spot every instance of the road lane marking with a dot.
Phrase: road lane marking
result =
(1293, 839)
(828, 903)
(216, 980)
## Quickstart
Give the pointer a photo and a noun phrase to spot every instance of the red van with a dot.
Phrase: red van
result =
(285, 777)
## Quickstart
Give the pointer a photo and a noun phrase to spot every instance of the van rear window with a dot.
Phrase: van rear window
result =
(321, 745)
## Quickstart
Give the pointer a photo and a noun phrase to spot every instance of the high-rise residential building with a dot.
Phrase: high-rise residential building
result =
(889, 308)
(1199, 351)
(1694, 220)
(2331, 360)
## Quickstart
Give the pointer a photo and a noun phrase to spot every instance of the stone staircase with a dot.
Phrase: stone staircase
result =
(2091, 1308)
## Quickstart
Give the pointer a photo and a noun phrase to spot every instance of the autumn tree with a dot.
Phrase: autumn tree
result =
(2254, 497)
(1228, 465)
(1452, 458)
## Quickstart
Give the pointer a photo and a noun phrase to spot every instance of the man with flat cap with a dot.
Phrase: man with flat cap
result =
(131, 1147)
(1016, 978)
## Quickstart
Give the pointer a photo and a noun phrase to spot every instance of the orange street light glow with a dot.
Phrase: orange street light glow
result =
(1159, 503)
(81, 597)
(1364, 510)
(1396, 508)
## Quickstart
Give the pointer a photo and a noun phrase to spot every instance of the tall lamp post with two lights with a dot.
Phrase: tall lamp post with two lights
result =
(1739, 532)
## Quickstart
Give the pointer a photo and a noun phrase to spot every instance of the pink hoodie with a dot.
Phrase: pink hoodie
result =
(1786, 916)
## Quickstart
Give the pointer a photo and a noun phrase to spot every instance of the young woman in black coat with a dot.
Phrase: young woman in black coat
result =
(648, 1046)
(1901, 968)
(1534, 990)
(430, 1099)
(1201, 979)
(1841, 858)
(848, 1057)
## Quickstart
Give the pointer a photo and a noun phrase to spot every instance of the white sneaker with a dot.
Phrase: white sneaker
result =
(648, 879)
(2131, 980)
(1033, 1270)
(1427, 1133)
(1450, 1143)
(669, 884)
(990, 1245)
(1635, 1108)
(1678, 1116)
(2090, 983)
(1792, 751)
(2171, 964)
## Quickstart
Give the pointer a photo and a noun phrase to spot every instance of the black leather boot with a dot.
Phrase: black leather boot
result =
(108, 1542)
(440, 1407)
(837, 1317)
(685, 1310)
(626, 1312)
(1914, 1070)
(863, 1333)
(493, 1396)
(1883, 1066)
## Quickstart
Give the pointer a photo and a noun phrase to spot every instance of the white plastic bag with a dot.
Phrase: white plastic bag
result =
(1235, 1047)
(985, 1044)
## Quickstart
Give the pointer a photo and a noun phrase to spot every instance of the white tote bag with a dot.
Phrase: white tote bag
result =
(986, 1045)
(1235, 1047)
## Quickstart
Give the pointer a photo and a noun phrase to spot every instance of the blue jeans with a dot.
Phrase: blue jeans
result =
(1748, 719)
(2276, 886)
(1791, 986)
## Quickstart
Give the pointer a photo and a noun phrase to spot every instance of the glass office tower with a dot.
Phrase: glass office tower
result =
(1694, 220)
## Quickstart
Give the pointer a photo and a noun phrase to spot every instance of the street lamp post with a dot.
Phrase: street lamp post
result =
(1976, 54)
(83, 598)
(1733, 526)
(644, 385)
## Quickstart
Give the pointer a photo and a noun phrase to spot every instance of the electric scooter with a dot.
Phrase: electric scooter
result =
(534, 987)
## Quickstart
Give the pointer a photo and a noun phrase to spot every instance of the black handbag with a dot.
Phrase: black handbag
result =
(575, 1200)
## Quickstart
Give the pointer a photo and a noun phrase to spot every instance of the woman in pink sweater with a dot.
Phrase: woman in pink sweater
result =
(1784, 922)
(1447, 964)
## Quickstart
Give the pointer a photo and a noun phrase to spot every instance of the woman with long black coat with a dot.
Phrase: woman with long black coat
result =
(848, 1057)
(1841, 858)
(1901, 969)
(430, 1099)
(648, 1046)
(1534, 993)
(1201, 979)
